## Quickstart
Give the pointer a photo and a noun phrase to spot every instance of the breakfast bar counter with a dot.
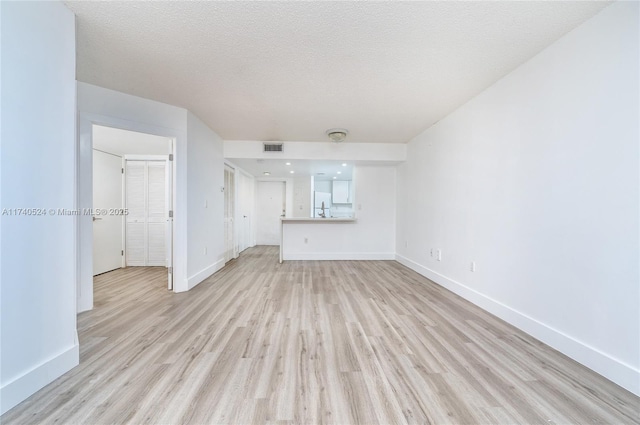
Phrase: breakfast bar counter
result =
(308, 220)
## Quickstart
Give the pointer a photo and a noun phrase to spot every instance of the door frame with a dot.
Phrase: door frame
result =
(234, 231)
(168, 197)
(84, 199)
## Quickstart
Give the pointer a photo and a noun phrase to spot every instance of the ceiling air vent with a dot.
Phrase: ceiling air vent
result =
(273, 147)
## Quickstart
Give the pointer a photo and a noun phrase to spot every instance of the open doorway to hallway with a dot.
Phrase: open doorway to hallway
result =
(132, 201)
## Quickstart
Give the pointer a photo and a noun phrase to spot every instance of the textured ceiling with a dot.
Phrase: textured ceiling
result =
(291, 70)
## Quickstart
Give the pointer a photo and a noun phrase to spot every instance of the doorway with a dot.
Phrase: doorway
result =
(245, 202)
(132, 200)
(271, 201)
(229, 213)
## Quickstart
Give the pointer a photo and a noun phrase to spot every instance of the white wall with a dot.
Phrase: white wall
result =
(97, 105)
(536, 180)
(371, 237)
(38, 318)
(198, 160)
(205, 201)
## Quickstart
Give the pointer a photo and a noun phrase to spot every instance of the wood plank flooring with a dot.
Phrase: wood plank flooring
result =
(310, 342)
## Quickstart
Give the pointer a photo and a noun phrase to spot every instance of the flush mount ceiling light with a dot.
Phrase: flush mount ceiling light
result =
(337, 135)
(266, 173)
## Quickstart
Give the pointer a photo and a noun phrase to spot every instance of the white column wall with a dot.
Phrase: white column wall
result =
(38, 294)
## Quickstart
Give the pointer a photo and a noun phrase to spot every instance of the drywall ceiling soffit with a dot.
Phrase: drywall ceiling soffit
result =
(318, 151)
(292, 70)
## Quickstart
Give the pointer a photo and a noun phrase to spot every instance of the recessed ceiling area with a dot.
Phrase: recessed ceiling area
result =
(278, 168)
(288, 71)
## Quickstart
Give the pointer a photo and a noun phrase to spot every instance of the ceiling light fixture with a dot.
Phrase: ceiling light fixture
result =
(339, 172)
(291, 171)
(337, 135)
(266, 173)
(344, 165)
(287, 163)
(334, 177)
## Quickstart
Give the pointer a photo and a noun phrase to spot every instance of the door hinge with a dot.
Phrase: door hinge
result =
(122, 169)
(170, 213)
(170, 157)
(122, 252)
(170, 270)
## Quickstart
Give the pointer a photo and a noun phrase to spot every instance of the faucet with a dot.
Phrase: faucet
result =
(322, 214)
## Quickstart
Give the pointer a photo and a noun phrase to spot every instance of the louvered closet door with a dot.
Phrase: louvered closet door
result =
(135, 232)
(146, 184)
(156, 216)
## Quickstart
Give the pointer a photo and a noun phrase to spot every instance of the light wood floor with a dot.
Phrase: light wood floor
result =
(311, 342)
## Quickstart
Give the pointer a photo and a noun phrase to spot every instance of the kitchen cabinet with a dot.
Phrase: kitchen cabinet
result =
(341, 193)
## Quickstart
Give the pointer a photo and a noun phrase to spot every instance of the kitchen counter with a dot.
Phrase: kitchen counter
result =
(318, 219)
(308, 220)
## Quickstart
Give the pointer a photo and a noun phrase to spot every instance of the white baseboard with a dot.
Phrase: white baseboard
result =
(339, 256)
(204, 273)
(25, 385)
(619, 372)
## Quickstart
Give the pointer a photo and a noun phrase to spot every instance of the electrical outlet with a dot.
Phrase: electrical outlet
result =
(473, 266)
(206, 203)
(439, 255)
(306, 239)
(431, 253)
(205, 250)
(406, 244)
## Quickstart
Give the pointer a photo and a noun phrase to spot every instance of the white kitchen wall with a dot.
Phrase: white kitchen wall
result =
(205, 201)
(371, 237)
(536, 181)
(38, 273)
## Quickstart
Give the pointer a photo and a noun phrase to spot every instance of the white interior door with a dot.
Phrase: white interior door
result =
(107, 228)
(147, 202)
(246, 196)
(157, 208)
(270, 207)
(229, 213)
